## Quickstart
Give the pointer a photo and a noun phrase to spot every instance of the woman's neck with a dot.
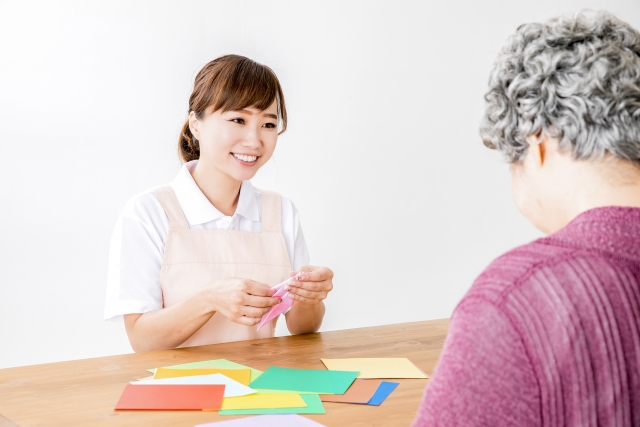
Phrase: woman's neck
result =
(220, 189)
(614, 183)
(595, 184)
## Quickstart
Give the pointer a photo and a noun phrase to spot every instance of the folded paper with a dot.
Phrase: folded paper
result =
(278, 309)
(171, 397)
(314, 406)
(232, 388)
(243, 376)
(387, 367)
(361, 391)
(313, 380)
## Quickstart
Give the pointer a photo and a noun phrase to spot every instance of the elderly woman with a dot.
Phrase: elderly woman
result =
(549, 334)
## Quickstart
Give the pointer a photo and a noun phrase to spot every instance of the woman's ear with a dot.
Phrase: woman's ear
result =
(537, 151)
(194, 125)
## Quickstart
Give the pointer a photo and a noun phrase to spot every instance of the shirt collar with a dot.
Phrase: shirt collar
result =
(196, 206)
(613, 229)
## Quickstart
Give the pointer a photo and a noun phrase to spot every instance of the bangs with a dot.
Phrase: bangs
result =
(247, 84)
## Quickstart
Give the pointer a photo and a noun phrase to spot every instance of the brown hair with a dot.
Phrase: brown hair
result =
(230, 83)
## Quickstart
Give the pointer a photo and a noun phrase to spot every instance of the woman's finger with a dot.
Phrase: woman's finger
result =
(256, 288)
(260, 302)
(312, 295)
(247, 321)
(253, 311)
(303, 299)
(324, 285)
(314, 274)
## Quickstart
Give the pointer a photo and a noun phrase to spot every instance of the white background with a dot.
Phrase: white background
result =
(397, 194)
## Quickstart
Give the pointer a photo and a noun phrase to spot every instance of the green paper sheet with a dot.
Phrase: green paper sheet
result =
(219, 363)
(314, 406)
(313, 380)
(271, 391)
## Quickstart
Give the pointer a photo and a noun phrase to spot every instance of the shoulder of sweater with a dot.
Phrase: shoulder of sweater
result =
(509, 270)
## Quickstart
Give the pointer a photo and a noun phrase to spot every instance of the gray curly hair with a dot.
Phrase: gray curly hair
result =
(575, 79)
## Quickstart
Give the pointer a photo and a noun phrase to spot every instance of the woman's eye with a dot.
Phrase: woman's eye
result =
(269, 125)
(238, 120)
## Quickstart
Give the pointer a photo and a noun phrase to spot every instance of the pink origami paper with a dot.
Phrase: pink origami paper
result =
(278, 309)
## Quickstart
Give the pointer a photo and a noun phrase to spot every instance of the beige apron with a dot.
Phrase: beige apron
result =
(195, 258)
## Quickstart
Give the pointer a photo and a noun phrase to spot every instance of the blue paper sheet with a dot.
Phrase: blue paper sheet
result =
(385, 389)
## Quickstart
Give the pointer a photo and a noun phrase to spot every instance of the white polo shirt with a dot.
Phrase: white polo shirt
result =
(137, 243)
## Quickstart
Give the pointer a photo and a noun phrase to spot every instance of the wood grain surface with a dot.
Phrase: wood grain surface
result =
(84, 392)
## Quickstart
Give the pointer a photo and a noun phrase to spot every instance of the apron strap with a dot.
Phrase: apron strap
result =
(169, 202)
(271, 212)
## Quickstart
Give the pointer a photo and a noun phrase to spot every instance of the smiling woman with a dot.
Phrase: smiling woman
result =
(231, 83)
(193, 262)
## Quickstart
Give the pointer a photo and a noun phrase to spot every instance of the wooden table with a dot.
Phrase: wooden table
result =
(84, 392)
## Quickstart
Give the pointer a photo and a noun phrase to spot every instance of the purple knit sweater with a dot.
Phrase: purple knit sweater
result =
(549, 334)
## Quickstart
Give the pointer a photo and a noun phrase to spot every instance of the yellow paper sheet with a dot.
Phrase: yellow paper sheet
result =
(262, 401)
(243, 376)
(377, 367)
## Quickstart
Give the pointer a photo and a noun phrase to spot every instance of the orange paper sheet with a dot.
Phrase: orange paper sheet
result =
(243, 376)
(361, 391)
(171, 397)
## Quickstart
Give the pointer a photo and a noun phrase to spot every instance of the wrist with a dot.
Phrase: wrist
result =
(208, 296)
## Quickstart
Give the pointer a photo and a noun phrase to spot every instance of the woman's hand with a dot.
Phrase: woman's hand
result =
(311, 284)
(243, 301)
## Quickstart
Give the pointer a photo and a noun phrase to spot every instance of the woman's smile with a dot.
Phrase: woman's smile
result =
(245, 159)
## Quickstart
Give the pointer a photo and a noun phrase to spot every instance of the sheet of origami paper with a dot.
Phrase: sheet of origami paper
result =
(263, 401)
(216, 363)
(313, 380)
(243, 376)
(232, 388)
(314, 406)
(361, 391)
(377, 367)
(171, 397)
(385, 389)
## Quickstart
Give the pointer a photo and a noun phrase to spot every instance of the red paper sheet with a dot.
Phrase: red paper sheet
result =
(171, 397)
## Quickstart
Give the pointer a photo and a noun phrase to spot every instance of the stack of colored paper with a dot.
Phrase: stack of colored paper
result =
(234, 389)
(239, 399)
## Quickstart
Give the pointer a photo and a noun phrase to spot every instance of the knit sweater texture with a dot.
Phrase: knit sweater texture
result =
(549, 334)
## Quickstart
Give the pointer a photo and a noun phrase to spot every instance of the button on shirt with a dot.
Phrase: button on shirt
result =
(140, 234)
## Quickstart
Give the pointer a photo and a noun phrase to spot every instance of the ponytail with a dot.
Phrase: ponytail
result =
(188, 146)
